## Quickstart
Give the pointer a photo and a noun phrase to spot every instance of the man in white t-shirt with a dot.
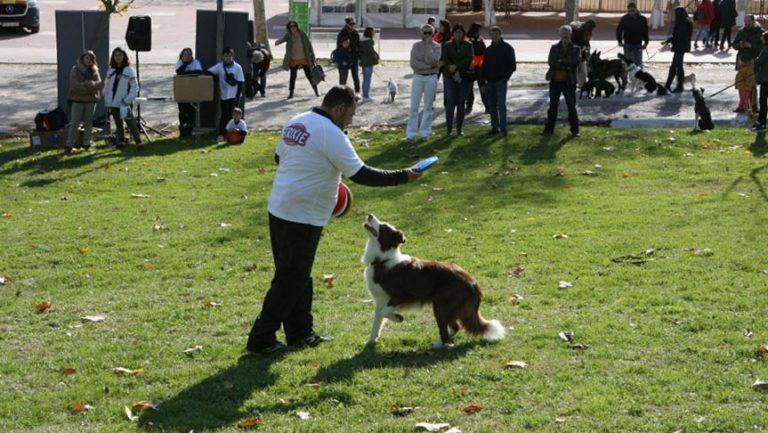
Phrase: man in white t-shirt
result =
(312, 154)
(230, 76)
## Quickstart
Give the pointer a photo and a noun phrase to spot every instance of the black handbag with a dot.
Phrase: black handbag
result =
(51, 120)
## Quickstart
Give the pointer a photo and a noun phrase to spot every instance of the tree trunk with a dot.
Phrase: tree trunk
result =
(260, 23)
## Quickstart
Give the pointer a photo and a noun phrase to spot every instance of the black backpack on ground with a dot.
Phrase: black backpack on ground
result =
(51, 120)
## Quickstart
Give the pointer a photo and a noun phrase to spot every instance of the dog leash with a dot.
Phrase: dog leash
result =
(732, 85)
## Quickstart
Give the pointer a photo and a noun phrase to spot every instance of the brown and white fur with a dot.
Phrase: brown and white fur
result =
(397, 281)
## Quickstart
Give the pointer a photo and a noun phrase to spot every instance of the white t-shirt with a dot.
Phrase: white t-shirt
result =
(313, 154)
(225, 90)
(239, 126)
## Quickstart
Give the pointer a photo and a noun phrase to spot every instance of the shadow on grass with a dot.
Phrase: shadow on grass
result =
(80, 164)
(759, 148)
(545, 150)
(216, 401)
(370, 358)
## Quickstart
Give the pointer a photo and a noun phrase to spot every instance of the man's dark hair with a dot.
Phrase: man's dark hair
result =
(349, 20)
(632, 5)
(339, 95)
(227, 50)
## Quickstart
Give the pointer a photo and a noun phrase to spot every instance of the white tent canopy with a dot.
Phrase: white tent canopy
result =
(375, 13)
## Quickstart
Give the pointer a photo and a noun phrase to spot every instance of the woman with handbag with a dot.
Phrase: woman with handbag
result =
(120, 89)
(84, 84)
(298, 54)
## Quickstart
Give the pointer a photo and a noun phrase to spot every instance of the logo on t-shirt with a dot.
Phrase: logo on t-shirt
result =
(295, 135)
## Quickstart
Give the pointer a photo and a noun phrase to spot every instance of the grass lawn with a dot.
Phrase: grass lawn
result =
(660, 235)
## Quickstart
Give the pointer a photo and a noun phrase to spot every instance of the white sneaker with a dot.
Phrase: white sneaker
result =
(367, 99)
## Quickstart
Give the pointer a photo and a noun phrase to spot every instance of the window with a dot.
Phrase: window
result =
(426, 7)
(338, 6)
(384, 7)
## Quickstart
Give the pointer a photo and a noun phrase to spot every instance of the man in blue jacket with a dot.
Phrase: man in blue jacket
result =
(498, 66)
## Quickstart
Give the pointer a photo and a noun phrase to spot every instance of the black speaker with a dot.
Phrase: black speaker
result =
(139, 33)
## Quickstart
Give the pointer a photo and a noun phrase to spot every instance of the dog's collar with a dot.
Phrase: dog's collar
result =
(379, 262)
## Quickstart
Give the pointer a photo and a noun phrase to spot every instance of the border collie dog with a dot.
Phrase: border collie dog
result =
(397, 281)
(703, 118)
(638, 77)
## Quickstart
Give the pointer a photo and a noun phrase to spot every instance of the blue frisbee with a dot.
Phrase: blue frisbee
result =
(425, 163)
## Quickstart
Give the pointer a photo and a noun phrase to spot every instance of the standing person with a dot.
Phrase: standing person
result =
(671, 6)
(187, 65)
(681, 44)
(350, 31)
(425, 62)
(84, 84)
(761, 77)
(745, 83)
(714, 26)
(343, 59)
(497, 69)
(748, 40)
(120, 89)
(632, 34)
(478, 49)
(431, 21)
(261, 59)
(727, 15)
(312, 154)
(704, 15)
(298, 54)
(563, 60)
(443, 34)
(230, 76)
(581, 36)
(457, 64)
(368, 59)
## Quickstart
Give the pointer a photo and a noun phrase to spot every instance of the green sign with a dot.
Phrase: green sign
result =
(298, 10)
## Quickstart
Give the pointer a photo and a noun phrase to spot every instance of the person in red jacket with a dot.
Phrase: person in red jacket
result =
(703, 16)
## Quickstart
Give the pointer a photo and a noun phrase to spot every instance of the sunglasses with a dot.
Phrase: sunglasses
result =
(427, 33)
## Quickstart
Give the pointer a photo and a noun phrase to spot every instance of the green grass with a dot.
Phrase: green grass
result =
(667, 349)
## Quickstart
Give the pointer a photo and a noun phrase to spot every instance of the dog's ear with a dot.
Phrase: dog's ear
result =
(401, 237)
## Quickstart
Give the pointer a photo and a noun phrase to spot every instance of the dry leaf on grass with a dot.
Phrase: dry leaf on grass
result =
(250, 422)
(517, 273)
(4, 280)
(84, 250)
(406, 372)
(472, 408)
(304, 415)
(399, 410)
(566, 336)
(431, 427)
(192, 350)
(516, 364)
(140, 196)
(760, 385)
(93, 319)
(763, 348)
(68, 371)
(144, 405)
(453, 430)
(515, 298)
(225, 225)
(559, 236)
(78, 407)
(328, 279)
(121, 371)
(564, 284)
(579, 346)
(212, 304)
(748, 333)
(43, 307)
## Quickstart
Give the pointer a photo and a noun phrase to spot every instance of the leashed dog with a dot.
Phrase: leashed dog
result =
(392, 89)
(703, 118)
(638, 77)
(397, 281)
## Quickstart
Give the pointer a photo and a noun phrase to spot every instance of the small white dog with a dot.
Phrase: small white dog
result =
(392, 89)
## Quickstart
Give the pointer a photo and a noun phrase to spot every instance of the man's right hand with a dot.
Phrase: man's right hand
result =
(413, 174)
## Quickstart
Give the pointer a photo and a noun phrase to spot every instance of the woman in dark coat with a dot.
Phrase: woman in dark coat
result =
(681, 44)
(298, 54)
(457, 67)
(727, 15)
(478, 46)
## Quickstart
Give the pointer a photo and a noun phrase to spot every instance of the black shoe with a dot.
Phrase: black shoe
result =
(139, 147)
(678, 89)
(120, 145)
(459, 132)
(277, 347)
(290, 95)
(313, 340)
(503, 133)
(67, 150)
(575, 134)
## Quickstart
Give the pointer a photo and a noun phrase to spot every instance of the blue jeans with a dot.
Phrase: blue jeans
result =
(455, 101)
(634, 52)
(367, 74)
(556, 88)
(289, 299)
(496, 94)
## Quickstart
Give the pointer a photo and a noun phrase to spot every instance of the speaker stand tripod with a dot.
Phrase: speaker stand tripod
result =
(140, 122)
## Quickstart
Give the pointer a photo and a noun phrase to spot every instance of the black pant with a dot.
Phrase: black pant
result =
(186, 114)
(356, 74)
(227, 105)
(676, 69)
(471, 97)
(120, 131)
(289, 299)
(763, 101)
(726, 35)
(294, 70)
(556, 88)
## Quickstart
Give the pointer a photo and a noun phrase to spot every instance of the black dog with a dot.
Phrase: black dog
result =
(703, 120)
(604, 87)
(604, 69)
(588, 87)
(638, 77)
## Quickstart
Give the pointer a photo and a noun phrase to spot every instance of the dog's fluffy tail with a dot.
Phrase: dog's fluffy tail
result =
(474, 324)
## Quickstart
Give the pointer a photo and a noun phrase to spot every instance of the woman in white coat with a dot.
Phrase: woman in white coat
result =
(120, 89)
